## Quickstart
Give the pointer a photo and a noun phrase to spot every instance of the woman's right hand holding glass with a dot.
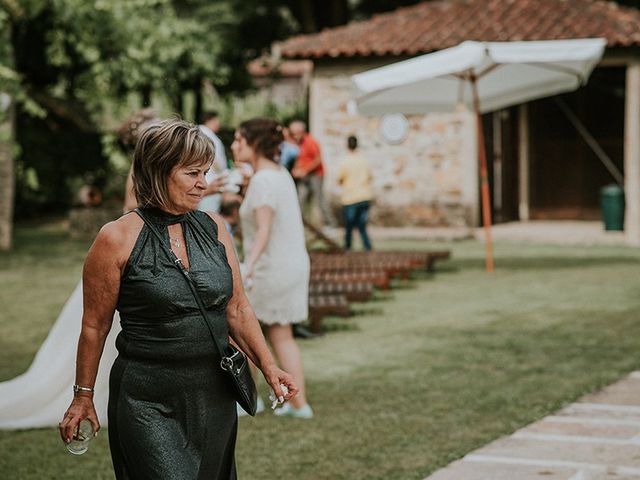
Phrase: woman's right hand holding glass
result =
(81, 407)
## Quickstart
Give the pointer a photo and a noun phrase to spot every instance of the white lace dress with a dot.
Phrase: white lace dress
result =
(280, 290)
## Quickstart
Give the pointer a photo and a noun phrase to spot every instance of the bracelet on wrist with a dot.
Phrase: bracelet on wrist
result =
(80, 389)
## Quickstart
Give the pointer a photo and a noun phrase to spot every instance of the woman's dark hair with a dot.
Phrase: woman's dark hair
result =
(163, 146)
(352, 142)
(208, 115)
(264, 136)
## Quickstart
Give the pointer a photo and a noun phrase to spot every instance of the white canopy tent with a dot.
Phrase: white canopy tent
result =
(484, 76)
(508, 73)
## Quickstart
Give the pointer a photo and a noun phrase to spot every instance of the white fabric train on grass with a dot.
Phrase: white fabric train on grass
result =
(40, 396)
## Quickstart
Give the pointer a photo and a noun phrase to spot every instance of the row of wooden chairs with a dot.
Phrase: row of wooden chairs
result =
(338, 278)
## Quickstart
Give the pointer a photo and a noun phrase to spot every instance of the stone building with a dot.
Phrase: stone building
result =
(540, 167)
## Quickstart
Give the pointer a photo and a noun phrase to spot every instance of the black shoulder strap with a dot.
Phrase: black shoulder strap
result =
(178, 264)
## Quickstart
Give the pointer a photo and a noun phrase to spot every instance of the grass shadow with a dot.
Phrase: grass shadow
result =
(381, 296)
(544, 263)
(333, 324)
(361, 309)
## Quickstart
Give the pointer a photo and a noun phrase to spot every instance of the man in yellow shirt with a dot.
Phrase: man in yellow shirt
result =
(354, 175)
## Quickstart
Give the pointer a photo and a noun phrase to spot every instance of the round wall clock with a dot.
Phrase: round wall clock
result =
(394, 128)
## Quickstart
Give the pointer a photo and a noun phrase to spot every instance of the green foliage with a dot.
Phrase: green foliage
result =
(239, 108)
(102, 50)
(75, 60)
(119, 164)
(53, 163)
(366, 8)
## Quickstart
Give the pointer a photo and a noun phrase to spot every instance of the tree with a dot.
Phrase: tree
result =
(8, 88)
(75, 60)
(6, 171)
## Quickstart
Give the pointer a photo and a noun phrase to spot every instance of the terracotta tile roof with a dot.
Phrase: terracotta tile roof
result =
(430, 26)
(264, 66)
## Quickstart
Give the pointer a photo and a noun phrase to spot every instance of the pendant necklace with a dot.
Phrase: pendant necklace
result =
(176, 242)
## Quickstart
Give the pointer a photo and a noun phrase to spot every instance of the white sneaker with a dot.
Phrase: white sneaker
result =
(288, 411)
(242, 413)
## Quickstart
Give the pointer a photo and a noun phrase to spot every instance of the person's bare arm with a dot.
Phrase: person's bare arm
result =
(244, 327)
(101, 286)
(264, 220)
(297, 171)
(214, 186)
(317, 160)
(341, 173)
(300, 171)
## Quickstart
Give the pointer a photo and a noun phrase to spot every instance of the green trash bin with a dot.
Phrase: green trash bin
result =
(612, 205)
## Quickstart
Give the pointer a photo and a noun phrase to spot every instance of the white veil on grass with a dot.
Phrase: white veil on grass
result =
(40, 396)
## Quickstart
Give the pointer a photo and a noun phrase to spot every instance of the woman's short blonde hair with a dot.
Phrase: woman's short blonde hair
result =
(161, 147)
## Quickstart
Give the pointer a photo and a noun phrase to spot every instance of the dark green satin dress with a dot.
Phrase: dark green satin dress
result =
(171, 413)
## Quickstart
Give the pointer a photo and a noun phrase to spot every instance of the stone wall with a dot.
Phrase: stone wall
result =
(430, 179)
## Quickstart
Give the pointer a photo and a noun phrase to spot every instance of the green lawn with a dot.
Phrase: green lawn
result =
(417, 378)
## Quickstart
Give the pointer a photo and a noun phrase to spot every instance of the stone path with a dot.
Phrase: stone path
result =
(596, 438)
(558, 232)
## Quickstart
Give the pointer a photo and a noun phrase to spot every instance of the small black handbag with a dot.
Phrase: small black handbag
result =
(232, 361)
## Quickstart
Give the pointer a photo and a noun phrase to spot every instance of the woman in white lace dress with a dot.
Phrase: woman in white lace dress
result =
(276, 259)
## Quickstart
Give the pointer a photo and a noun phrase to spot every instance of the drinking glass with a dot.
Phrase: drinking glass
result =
(79, 444)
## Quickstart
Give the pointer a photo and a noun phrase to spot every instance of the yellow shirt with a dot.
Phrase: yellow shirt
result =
(354, 174)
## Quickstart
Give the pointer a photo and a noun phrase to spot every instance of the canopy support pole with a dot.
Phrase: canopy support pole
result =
(484, 179)
(591, 141)
(523, 162)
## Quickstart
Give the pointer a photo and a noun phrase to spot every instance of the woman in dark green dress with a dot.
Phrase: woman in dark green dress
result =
(171, 413)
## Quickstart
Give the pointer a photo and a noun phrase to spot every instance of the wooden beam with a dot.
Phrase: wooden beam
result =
(632, 154)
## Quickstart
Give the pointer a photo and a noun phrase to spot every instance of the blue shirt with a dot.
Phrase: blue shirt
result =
(288, 154)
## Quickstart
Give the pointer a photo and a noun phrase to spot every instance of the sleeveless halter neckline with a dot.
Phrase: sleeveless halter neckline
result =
(161, 217)
(166, 386)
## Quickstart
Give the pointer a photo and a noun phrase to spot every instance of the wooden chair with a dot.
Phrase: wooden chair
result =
(376, 277)
(354, 292)
(321, 305)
